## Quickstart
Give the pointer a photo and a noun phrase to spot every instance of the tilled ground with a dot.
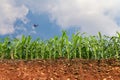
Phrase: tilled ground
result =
(60, 69)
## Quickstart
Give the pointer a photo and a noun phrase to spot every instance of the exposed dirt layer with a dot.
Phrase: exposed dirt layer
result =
(60, 69)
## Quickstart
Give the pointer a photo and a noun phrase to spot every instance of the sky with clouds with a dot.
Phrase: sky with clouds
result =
(17, 17)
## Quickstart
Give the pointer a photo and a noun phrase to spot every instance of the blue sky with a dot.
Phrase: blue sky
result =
(17, 17)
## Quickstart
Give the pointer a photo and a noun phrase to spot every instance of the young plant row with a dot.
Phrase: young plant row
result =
(78, 46)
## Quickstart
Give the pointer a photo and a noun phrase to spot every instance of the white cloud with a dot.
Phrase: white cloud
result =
(21, 27)
(90, 15)
(9, 12)
(19, 36)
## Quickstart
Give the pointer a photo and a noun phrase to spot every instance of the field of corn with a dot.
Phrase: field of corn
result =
(77, 46)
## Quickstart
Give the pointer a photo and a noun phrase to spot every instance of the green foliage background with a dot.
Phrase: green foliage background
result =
(78, 46)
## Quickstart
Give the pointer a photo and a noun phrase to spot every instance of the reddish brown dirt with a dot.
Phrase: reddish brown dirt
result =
(60, 69)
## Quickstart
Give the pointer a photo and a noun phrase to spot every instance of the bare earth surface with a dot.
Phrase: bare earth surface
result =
(60, 69)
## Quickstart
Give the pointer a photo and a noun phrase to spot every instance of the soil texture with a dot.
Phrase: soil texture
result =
(60, 69)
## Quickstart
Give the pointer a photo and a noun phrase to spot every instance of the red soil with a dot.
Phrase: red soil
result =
(60, 69)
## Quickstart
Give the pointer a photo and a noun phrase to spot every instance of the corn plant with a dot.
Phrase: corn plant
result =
(77, 46)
